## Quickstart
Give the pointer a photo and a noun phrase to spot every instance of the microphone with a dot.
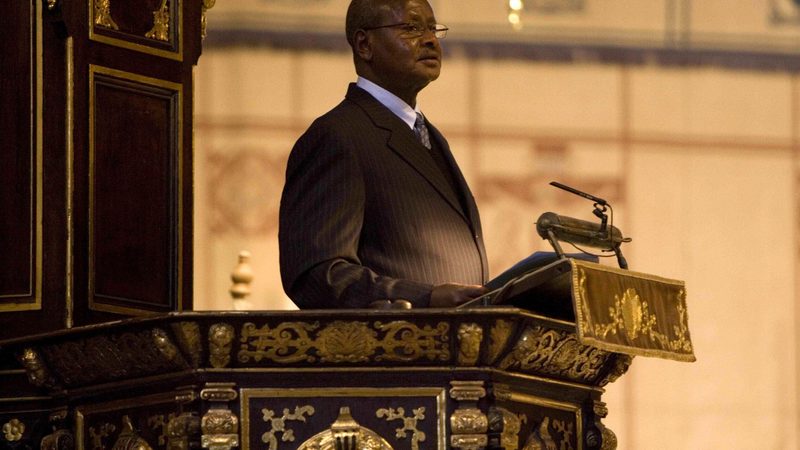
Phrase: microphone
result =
(591, 197)
(580, 232)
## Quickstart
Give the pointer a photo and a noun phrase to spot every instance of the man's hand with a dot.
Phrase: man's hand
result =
(451, 294)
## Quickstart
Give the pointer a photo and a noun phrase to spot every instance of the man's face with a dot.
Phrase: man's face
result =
(404, 62)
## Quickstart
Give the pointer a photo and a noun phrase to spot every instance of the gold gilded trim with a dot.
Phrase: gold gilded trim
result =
(37, 159)
(502, 392)
(178, 89)
(122, 43)
(69, 146)
(254, 393)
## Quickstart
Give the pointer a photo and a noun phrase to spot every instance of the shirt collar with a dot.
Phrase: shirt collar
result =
(397, 106)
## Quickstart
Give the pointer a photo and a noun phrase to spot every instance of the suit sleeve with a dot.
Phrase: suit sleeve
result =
(321, 216)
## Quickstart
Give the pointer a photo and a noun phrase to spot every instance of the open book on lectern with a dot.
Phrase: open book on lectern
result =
(539, 282)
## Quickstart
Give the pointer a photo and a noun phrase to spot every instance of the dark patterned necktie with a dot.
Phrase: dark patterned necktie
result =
(421, 130)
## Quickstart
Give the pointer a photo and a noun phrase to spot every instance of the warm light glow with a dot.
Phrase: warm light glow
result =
(515, 20)
(515, 5)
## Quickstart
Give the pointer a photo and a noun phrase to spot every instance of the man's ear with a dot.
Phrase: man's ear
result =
(363, 45)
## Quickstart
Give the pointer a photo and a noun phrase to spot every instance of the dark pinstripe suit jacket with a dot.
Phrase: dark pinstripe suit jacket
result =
(366, 214)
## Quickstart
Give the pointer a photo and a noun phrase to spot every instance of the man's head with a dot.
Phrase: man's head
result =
(394, 45)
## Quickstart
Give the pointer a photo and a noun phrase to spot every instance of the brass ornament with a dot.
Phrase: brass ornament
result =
(278, 424)
(470, 336)
(468, 424)
(498, 337)
(346, 434)
(405, 341)
(206, 5)
(159, 424)
(128, 438)
(566, 430)
(555, 352)
(622, 363)
(512, 425)
(38, 374)
(541, 439)
(409, 423)
(60, 439)
(165, 345)
(13, 430)
(351, 342)
(219, 425)
(220, 338)
(187, 335)
(160, 30)
(102, 14)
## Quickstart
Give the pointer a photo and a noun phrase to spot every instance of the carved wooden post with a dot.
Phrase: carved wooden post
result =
(220, 425)
(468, 424)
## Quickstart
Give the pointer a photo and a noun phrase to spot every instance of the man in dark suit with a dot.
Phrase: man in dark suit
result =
(375, 207)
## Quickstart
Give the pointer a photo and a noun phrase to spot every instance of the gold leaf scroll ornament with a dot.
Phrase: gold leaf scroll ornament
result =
(160, 30)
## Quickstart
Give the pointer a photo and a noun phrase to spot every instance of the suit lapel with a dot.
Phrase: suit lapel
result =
(404, 143)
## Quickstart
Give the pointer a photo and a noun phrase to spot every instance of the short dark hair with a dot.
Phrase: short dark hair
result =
(365, 14)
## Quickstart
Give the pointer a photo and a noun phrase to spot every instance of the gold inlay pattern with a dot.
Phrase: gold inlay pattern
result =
(470, 336)
(278, 424)
(343, 342)
(409, 423)
(346, 434)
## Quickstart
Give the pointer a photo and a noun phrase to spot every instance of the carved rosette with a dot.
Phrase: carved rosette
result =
(470, 336)
(468, 424)
(220, 338)
(13, 430)
(219, 425)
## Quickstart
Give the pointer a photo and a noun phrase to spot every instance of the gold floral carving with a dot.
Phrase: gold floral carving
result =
(566, 430)
(621, 364)
(278, 424)
(13, 430)
(343, 342)
(160, 30)
(207, 4)
(409, 423)
(555, 352)
(102, 14)
(498, 337)
(512, 425)
(220, 338)
(346, 434)
(469, 421)
(165, 345)
(128, 438)
(35, 368)
(470, 336)
(187, 335)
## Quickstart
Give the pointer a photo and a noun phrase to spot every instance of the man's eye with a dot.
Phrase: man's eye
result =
(415, 28)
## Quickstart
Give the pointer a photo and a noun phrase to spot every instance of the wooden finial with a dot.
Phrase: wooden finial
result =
(241, 276)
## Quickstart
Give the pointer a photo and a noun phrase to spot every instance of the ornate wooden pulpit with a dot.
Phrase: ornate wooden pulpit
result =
(97, 167)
